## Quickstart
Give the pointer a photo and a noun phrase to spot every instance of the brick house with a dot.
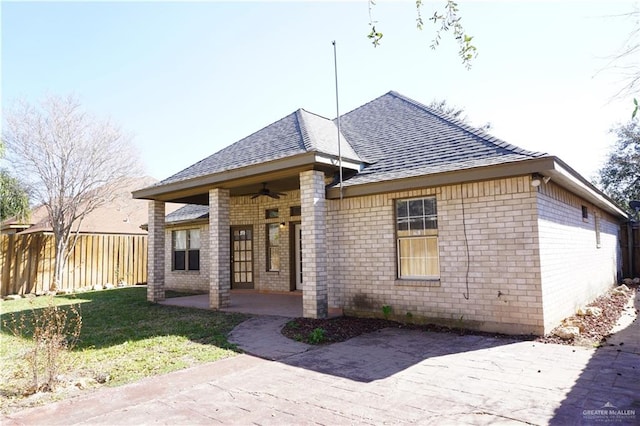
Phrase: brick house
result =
(433, 218)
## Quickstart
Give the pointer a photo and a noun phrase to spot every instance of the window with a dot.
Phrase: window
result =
(417, 234)
(271, 213)
(295, 211)
(186, 250)
(273, 247)
(585, 214)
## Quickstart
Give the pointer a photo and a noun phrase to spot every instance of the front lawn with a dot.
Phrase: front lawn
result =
(123, 338)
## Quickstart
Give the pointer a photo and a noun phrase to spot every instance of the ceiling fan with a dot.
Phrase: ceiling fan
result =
(267, 192)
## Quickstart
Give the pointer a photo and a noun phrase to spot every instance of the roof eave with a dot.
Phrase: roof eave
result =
(550, 166)
(446, 178)
(254, 172)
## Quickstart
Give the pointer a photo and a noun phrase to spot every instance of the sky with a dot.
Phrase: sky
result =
(186, 79)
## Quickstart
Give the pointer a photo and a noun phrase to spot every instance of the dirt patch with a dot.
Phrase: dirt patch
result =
(594, 329)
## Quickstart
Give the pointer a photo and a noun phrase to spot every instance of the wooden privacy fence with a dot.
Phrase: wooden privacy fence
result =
(28, 262)
(630, 248)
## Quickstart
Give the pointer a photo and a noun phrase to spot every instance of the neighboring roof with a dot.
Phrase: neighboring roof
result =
(187, 213)
(297, 133)
(404, 138)
(123, 215)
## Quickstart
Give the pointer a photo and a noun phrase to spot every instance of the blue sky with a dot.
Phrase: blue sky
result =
(189, 78)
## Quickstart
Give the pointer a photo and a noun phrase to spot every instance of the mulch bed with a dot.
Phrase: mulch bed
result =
(594, 329)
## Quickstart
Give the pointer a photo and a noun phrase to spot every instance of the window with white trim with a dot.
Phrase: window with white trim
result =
(417, 238)
(185, 250)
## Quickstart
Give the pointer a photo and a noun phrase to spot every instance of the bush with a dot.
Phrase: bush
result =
(52, 331)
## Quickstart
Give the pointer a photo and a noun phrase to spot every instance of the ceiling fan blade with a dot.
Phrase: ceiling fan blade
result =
(255, 196)
(273, 195)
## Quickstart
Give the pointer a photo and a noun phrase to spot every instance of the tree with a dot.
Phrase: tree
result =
(14, 200)
(456, 113)
(449, 19)
(620, 175)
(71, 162)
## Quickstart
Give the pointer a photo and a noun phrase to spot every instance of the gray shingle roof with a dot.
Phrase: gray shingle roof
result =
(188, 212)
(403, 138)
(297, 133)
(393, 136)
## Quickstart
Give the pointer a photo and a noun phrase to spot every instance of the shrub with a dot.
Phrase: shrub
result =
(52, 331)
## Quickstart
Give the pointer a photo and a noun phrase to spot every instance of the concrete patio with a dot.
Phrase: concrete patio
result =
(248, 302)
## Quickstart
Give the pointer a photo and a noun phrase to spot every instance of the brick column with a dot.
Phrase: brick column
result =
(314, 252)
(155, 254)
(219, 248)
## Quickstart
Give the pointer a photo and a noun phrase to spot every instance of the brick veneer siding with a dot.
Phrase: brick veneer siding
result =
(248, 211)
(156, 252)
(196, 281)
(243, 211)
(574, 269)
(504, 290)
(314, 240)
(219, 249)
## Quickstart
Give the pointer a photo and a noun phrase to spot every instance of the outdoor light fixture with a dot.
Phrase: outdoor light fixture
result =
(282, 224)
(537, 179)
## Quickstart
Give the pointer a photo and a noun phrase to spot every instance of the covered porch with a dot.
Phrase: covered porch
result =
(289, 166)
(248, 302)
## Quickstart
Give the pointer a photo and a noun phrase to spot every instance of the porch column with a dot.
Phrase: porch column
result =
(155, 252)
(314, 252)
(220, 250)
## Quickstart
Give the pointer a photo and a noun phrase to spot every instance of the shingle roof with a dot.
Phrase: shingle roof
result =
(403, 138)
(188, 212)
(297, 133)
(392, 136)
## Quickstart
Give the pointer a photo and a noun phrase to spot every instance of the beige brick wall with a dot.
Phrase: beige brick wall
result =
(156, 256)
(574, 269)
(247, 211)
(503, 291)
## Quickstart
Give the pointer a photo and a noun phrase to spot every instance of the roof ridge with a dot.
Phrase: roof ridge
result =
(316, 139)
(226, 148)
(468, 128)
(303, 129)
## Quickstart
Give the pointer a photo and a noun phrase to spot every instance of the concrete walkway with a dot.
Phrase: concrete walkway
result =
(391, 376)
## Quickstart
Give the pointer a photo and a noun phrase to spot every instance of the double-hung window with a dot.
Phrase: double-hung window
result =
(417, 238)
(186, 250)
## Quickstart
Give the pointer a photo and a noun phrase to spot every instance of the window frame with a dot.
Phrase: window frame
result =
(428, 233)
(188, 251)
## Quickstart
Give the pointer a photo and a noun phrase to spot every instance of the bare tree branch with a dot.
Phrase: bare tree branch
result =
(71, 162)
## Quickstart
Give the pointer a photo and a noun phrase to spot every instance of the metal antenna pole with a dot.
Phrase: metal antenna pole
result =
(335, 63)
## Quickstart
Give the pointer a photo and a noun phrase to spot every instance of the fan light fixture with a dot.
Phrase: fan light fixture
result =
(267, 192)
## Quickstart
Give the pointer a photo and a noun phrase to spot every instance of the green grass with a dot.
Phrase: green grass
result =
(123, 337)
